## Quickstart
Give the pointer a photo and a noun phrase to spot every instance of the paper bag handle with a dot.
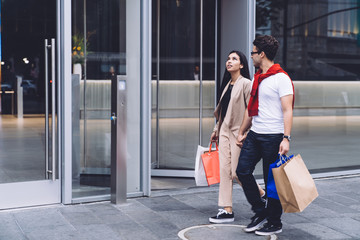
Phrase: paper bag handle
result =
(284, 158)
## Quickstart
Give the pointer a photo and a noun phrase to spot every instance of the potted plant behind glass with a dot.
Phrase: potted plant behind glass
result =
(78, 56)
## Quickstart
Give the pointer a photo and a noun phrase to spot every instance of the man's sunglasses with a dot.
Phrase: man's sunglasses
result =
(258, 52)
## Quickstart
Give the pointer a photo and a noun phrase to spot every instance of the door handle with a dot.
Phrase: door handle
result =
(46, 111)
(53, 111)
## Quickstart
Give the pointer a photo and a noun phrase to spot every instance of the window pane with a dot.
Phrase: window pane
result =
(175, 83)
(178, 91)
(208, 84)
(322, 37)
(321, 51)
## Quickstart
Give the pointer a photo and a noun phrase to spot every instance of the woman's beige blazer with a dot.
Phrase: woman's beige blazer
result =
(239, 100)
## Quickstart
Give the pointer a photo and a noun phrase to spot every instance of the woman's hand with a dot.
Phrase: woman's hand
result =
(213, 137)
(240, 139)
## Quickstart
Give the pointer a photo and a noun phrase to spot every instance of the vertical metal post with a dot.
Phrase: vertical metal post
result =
(85, 76)
(118, 140)
(157, 84)
(358, 23)
(13, 103)
(65, 99)
(20, 103)
(251, 32)
(216, 53)
(285, 33)
(145, 92)
(201, 69)
(59, 85)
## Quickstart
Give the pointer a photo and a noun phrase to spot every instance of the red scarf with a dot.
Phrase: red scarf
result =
(253, 106)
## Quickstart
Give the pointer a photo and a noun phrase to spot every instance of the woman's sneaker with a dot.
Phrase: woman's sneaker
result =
(222, 217)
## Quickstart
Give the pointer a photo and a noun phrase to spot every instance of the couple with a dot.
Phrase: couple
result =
(256, 118)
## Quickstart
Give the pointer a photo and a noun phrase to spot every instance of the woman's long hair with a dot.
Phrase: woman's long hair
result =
(227, 76)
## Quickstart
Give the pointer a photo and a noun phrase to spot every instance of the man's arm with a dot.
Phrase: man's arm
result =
(246, 124)
(286, 104)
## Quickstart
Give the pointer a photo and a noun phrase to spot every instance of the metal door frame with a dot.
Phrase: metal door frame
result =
(65, 122)
(65, 86)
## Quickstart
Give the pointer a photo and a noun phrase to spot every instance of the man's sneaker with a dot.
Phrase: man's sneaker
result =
(256, 223)
(222, 217)
(269, 229)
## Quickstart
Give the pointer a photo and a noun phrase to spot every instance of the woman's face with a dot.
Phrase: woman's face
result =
(233, 63)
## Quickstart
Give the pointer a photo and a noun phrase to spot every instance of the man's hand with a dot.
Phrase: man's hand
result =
(286, 104)
(246, 124)
(284, 147)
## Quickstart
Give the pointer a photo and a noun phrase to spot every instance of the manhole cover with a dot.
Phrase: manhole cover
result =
(219, 231)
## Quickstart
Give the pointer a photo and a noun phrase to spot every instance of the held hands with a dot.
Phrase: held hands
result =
(240, 139)
(284, 147)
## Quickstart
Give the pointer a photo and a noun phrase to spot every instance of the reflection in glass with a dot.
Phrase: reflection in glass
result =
(319, 39)
(177, 82)
(320, 49)
(208, 88)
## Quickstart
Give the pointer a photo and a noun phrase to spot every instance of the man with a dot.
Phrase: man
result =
(270, 113)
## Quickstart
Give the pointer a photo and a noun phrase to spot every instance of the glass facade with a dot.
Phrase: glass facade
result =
(320, 49)
(183, 82)
(56, 131)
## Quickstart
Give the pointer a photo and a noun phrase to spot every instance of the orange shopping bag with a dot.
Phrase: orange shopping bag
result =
(211, 165)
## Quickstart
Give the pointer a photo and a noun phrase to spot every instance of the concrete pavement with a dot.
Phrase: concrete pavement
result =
(183, 214)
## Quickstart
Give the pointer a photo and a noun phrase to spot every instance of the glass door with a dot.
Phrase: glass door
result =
(98, 55)
(183, 83)
(28, 120)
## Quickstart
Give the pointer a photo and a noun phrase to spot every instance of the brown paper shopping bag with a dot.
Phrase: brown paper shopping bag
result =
(294, 184)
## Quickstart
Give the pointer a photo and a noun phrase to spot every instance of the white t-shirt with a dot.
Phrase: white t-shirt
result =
(270, 119)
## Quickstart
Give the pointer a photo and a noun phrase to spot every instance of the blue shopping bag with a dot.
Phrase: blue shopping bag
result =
(271, 187)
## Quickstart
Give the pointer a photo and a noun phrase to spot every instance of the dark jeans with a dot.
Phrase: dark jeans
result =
(257, 146)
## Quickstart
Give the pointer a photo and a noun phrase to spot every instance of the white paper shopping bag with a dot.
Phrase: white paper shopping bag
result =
(200, 177)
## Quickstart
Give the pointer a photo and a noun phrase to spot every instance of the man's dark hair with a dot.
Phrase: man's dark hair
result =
(267, 44)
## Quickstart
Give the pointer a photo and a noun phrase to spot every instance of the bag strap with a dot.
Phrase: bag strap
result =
(211, 143)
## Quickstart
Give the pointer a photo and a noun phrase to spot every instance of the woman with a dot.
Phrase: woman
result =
(229, 113)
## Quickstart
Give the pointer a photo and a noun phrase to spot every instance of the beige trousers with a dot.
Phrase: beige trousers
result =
(229, 154)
